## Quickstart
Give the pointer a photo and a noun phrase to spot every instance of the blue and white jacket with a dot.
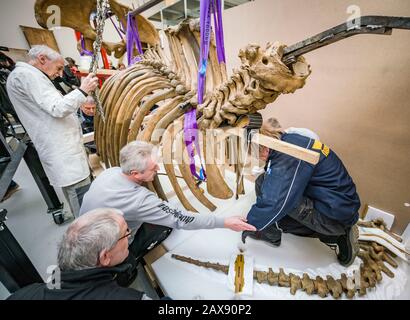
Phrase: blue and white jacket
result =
(288, 179)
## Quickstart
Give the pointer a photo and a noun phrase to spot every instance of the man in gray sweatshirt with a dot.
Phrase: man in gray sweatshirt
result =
(148, 217)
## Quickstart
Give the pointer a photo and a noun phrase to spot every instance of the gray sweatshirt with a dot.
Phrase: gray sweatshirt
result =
(112, 189)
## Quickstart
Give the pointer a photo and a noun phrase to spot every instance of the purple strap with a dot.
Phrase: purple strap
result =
(205, 29)
(132, 37)
(219, 31)
(206, 8)
(192, 142)
(83, 51)
(190, 124)
(116, 28)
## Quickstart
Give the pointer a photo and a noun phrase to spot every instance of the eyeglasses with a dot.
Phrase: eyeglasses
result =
(127, 234)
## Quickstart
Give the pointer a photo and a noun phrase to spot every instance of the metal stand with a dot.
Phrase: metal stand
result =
(16, 269)
(55, 207)
(9, 162)
(10, 156)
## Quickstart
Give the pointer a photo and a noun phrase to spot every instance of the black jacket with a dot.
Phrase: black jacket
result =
(288, 179)
(89, 284)
(70, 78)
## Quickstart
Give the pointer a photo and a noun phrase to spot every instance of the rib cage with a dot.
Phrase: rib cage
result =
(128, 97)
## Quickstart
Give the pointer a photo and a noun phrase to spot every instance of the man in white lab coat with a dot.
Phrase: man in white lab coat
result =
(51, 119)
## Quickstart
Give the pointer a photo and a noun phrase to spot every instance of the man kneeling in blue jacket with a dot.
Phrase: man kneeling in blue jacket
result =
(293, 196)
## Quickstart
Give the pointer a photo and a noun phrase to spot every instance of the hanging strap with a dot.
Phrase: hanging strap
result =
(219, 31)
(208, 7)
(192, 142)
(83, 51)
(104, 58)
(133, 37)
(205, 29)
(190, 125)
(116, 28)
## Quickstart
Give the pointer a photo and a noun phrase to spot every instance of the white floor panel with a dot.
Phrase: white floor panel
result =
(296, 255)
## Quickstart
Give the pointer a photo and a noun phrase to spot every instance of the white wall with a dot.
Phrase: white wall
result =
(357, 97)
(12, 15)
(21, 12)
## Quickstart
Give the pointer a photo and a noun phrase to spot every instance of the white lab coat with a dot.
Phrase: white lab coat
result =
(51, 122)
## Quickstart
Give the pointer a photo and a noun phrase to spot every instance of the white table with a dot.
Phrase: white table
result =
(181, 280)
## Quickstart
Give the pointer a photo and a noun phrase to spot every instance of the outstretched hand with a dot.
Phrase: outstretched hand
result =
(238, 224)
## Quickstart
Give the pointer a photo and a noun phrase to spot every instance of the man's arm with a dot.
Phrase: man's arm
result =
(154, 210)
(50, 100)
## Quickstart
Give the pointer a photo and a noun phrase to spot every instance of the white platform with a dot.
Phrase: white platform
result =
(180, 280)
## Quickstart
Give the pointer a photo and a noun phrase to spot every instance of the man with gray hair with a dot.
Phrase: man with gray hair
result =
(89, 258)
(86, 114)
(148, 217)
(50, 119)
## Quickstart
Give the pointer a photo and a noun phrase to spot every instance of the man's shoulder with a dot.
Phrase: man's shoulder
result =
(114, 291)
(111, 178)
(303, 132)
(22, 72)
(109, 172)
(109, 291)
(23, 67)
(297, 139)
(30, 292)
